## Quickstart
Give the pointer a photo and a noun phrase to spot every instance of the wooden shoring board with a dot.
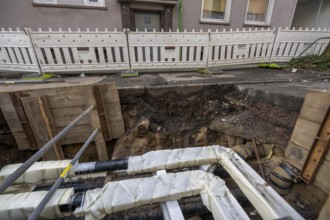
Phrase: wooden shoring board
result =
(101, 146)
(65, 104)
(100, 107)
(318, 152)
(42, 125)
(16, 101)
(308, 124)
(13, 122)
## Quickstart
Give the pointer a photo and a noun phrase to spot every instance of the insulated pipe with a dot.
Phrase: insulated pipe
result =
(101, 166)
(267, 202)
(60, 180)
(17, 173)
(126, 194)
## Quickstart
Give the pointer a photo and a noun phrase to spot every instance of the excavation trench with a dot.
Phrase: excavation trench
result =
(184, 116)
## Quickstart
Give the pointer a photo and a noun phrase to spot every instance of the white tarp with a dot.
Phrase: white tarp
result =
(126, 194)
(268, 203)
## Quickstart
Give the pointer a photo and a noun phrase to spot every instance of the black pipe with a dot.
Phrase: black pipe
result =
(101, 166)
(78, 185)
(76, 201)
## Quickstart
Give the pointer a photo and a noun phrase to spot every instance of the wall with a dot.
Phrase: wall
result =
(281, 16)
(306, 13)
(19, 13)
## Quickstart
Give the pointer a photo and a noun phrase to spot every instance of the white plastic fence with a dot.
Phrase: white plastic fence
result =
(16, 52)
(168, 49)
(81, 51)
(291, 43)
(240, 47)
(105, 51)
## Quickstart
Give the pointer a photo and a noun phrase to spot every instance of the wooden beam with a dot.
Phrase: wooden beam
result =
(49, 121)
(15, 99)
(318, 152)
(99, 140)
(41, 124)
(102, 113)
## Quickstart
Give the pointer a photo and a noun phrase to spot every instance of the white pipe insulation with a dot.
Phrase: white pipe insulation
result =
(126, 194)
(265, 199)
(43, 171)
(20, 206)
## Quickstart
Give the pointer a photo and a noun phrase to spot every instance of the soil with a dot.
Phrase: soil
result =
(220, 115)
(214, 115)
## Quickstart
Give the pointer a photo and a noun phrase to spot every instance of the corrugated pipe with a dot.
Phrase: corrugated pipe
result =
(282, 178)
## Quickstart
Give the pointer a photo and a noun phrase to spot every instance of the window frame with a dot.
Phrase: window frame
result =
(269, 13)
(100, 4)
(214, 20)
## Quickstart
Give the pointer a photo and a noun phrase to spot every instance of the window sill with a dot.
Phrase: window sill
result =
(214, 22)
(70, 6)
(256, 25)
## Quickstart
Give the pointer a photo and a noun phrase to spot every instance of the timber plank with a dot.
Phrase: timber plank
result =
(15, 99)
(315, 106)
(48, 118)
(114, 111)
(39, 123)
(78, 134)
(71, 100)
(62, 117)
(101, 111)
(296, 155)
(322, 178)
(99, 140)
(318, 152)
(304, 133)
(110, 93)
(75, 138)
(117, 128)
(21, 141)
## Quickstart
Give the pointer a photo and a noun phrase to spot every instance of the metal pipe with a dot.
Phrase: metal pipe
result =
(321, 38)
(17, 173)
(101, 166)
(60, 180)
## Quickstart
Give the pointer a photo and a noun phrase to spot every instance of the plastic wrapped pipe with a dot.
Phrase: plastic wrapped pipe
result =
(127, 194)
(20, 206)
(267, 202)
(39, 171)
(44, 171)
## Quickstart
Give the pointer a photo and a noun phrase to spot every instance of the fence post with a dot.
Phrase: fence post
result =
(208, 50)
(34, 56)
(276, 33)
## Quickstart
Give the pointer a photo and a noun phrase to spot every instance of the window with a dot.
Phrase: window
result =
(215, 10)
(70, 3)
(259, 11)
(94, 2)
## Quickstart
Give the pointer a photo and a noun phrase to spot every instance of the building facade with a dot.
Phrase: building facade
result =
(146, 14)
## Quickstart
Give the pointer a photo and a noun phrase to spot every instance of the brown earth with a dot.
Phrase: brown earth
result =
(213, 115)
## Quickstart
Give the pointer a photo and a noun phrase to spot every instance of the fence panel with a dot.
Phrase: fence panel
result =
(240, 47)
(291, 43)
(16, 52)
(60, 51)
(169, 50)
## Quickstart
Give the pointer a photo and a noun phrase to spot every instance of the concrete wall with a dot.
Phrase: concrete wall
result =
(19, 13)
(281, 16)
(306, 12)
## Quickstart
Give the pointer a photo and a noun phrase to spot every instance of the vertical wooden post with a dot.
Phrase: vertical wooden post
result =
(100, 143)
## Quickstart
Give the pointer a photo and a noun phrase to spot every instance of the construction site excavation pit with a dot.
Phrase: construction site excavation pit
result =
(253, 123)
